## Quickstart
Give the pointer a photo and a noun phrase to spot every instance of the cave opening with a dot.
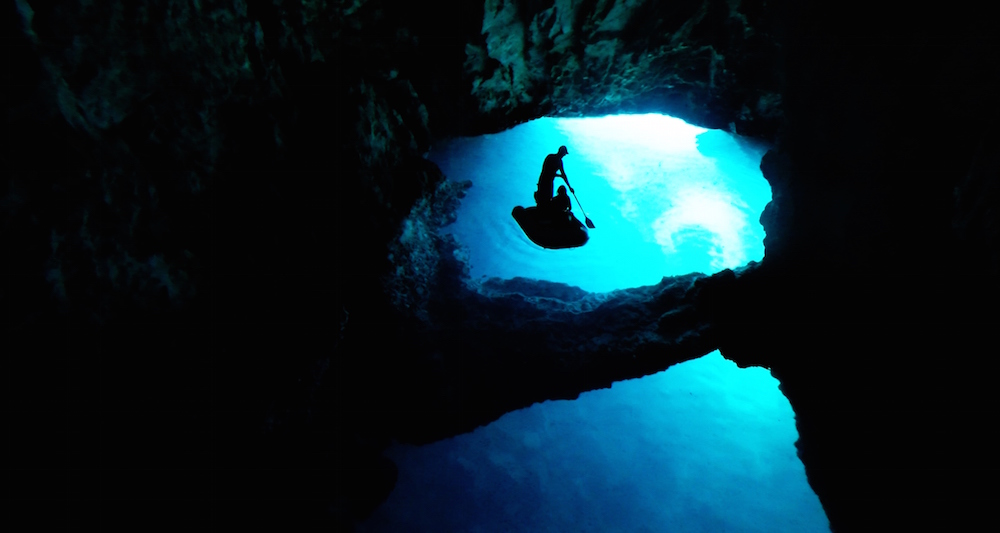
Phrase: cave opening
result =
(667, 198)
(701, 446)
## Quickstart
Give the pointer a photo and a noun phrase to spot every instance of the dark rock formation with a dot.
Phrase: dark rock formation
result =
(225, 291)
(503, 345)
(710, 61)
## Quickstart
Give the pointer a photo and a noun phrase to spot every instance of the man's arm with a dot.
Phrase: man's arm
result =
(568, 186)
(566, 179)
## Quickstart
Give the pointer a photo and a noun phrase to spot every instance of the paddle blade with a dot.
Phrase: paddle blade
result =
(589, 223)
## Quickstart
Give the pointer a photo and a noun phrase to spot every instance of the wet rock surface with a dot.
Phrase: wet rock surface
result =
(710, 62)
(224, 279)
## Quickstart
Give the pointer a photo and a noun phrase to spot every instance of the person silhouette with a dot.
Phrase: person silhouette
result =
(551, 168)
(561, 204)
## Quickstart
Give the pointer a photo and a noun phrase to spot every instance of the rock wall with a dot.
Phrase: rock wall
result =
(220, 232)
(489, 66)
(878, 266)
(709, 62)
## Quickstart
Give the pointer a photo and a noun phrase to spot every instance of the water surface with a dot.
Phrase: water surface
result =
(667, 198)
(703, 446)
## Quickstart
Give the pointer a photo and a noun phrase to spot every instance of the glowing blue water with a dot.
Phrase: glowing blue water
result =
(666, 197)
(703, 446)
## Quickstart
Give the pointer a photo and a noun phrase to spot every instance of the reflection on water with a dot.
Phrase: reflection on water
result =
(667, 198)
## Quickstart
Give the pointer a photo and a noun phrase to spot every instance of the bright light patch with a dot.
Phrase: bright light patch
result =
(667, 198)
(706, 216)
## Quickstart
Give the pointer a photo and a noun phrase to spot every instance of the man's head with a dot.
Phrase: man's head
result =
(562, 190)
(563, 151)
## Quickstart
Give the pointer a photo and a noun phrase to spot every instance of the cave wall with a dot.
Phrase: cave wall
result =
(878, 266)
(217, 216)
(711, 63)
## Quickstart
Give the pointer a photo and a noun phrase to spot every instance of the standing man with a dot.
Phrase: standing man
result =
(551, 168)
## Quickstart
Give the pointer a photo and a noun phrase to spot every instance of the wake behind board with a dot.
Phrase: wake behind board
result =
(550, 231)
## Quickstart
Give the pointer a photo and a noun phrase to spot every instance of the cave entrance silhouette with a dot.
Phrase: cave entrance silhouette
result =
(668, 198)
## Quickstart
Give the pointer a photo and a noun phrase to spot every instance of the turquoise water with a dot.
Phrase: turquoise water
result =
(667, 198)
(701, 447)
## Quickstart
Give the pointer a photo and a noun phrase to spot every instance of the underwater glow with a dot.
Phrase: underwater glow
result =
(703, 446)
(667, 198)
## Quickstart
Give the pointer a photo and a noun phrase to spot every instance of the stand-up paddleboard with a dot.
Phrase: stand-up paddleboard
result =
(555, 231)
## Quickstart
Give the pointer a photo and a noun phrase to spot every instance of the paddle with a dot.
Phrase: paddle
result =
(585, 217)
